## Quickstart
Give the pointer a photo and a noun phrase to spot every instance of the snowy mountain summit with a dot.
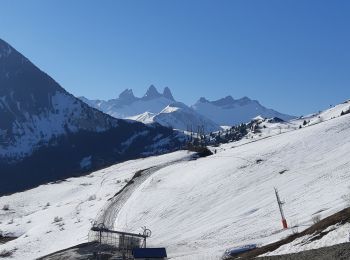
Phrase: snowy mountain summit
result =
(230, 111)
(178, 116)
(43, 125)
(127, 105)
(154, 107)
(210, 114)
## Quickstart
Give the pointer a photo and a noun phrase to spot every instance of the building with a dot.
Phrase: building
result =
(149, 253)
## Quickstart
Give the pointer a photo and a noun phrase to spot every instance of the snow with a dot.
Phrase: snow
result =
(328, 114)
(67, 114)
(237, 113)
(198, 209)
(155, 107)
(178, 116)
(137, 107)
(86, 162)
(146, 118)
(162, 110)
(42, 127)
(338, 234)
(73, 203)
(130, 140)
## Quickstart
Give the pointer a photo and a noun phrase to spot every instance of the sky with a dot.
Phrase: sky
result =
(291, 55)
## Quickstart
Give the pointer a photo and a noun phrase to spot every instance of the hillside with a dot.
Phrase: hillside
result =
(199, 208)
(75, 202)
(42, 126)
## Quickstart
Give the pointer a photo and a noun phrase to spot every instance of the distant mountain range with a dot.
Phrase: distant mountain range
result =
(229, 111)
(164, 109)
(154, 107)
(47, 134)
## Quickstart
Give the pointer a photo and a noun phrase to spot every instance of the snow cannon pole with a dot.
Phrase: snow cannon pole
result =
(280, 204)
(284, 223)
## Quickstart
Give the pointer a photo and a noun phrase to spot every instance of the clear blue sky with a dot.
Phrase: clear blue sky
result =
(291, 55)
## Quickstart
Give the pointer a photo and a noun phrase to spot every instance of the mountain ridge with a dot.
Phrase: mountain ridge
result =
(222, 112)
(43, 125)
(230, 111)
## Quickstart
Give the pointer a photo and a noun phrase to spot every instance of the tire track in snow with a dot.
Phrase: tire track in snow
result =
(110, 211)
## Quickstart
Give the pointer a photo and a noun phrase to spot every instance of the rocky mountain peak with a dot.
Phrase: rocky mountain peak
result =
(224, 101)
(152, 93)
(127, 94)
(167, 94)
(203, 100)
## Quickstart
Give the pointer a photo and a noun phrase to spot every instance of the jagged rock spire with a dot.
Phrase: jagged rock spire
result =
(167, 94)
(151, 93)
(127, 94)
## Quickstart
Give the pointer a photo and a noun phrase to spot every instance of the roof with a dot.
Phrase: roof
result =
(149, 252)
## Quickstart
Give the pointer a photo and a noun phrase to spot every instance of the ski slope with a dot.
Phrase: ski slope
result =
(197, 209)
(56, 216)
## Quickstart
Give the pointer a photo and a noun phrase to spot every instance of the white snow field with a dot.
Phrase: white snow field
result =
(197, 209)
(56, 216)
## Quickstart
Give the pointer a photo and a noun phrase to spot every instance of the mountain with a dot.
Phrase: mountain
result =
(154, 107)
(47, 134)
(199, 208)
(178, 116)
(230, 111)
(127, 105)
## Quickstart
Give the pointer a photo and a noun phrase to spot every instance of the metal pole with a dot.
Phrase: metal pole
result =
(280, 204)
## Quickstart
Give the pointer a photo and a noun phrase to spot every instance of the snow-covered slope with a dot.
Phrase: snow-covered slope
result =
(333, 112)
(34, 108)
(41, 122)
(178, 116)
(154, 107)
(197, 209)
(74, 203)
(228, 111)
(202, 207)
